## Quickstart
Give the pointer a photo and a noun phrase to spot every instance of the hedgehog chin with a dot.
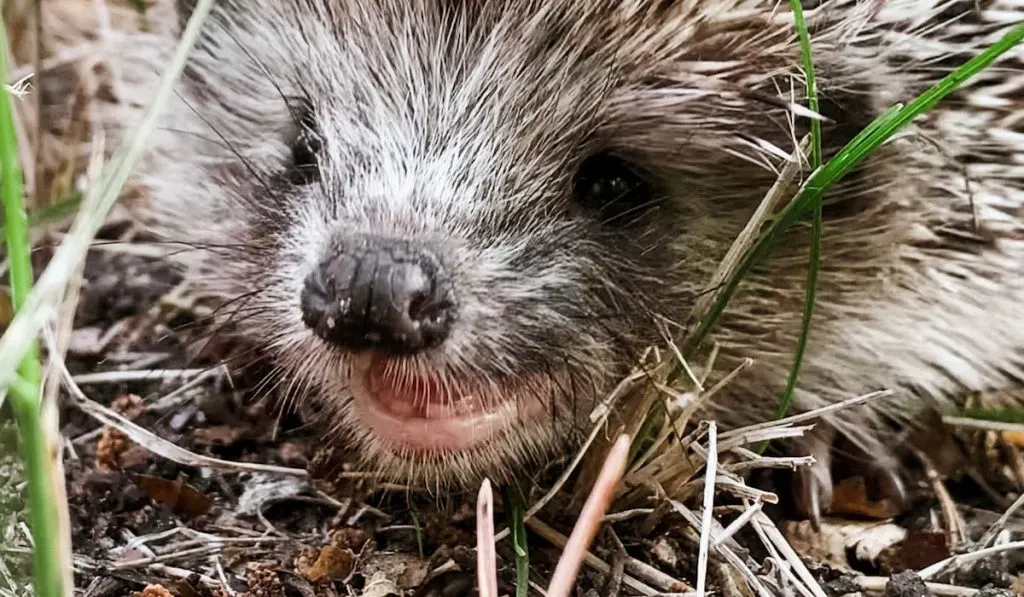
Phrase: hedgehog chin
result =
(429, 415)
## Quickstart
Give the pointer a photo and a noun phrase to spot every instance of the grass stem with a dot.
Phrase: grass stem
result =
(786, 399)
(517, 510)
(853, 153)
(37, 452)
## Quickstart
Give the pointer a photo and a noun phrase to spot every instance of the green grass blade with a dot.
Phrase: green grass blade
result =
(24, 397)
(816, 227)
(647, 431)
(44, 521)
(419, 534)
(49, 213)
(517, 524)
(1008, 415)
(812, 85)
(867, 141)
(11, 187)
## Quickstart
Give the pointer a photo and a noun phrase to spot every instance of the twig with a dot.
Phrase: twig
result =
(708, 508)
(982, 424)
(722, 549)
(745, 240)
(728, 444)
(783, 567)
(166, 557)
(810, 415)
(740, 522)
(157, 444)
(651, 575)
(591, 560)
(564, 477)
(956, 529)
(173, 399)
(486, 558)
(175, 572)
(589, 520)
(998, 525)
(877, 584)
(627, 514)
(106, 377)
(223, 577)
(791, 463)
(766, 525)
(966, 558)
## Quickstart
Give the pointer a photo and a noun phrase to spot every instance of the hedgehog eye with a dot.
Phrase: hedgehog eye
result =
(305, 168)
(610, 185)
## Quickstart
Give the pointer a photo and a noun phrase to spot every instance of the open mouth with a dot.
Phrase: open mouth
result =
(431, 414)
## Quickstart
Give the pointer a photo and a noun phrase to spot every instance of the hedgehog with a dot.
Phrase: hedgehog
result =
(453, 226)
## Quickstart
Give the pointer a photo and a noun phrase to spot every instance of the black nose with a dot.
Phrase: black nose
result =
(383, 295)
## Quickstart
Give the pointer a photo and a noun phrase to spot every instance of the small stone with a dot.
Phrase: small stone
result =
(906, 584)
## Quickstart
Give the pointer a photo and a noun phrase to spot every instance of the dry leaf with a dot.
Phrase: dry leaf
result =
(333, 563)
(177, 495)
(130, 406)
(840, 540)
(918, 550)
(6, 308)
(850, 496)
(111, 445)
(220, 435)
(1014, 437)
(184, 588)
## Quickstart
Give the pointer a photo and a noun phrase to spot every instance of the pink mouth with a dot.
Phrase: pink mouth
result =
(425, 415)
